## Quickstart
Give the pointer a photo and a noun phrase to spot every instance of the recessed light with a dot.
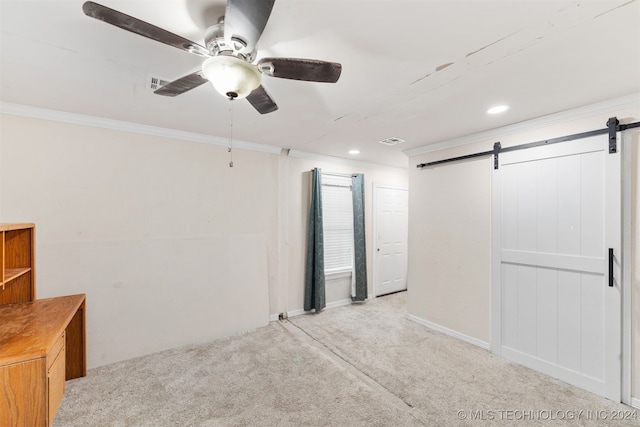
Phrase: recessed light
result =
(498, 109)
(354, 152)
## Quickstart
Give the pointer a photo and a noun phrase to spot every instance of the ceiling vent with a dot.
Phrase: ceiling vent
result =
(391, 141)
(154, 83)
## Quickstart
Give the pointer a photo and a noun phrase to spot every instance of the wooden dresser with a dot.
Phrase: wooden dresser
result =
(42, 342)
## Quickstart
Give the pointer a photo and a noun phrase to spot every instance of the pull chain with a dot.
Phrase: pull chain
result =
(230, 133)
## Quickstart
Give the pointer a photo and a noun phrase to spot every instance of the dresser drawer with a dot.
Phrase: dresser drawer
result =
(55, 384)
(52, 354)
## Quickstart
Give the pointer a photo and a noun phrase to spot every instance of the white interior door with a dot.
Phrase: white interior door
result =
(555, 214)
(391, 223)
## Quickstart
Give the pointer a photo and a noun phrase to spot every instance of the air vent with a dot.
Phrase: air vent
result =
(155, 83)
(391, 141)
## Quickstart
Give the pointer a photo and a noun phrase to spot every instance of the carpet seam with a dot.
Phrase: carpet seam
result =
(411, 409)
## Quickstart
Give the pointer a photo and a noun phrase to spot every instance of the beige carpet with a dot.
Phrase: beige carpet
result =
(362, 365)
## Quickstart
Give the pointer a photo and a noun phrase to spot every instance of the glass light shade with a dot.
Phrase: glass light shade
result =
(231, 75)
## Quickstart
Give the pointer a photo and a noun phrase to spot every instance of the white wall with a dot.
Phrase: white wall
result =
(170, 245)
(449, 235)
(449, 223)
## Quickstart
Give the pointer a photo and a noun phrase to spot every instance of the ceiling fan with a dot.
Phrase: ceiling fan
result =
(230, 51)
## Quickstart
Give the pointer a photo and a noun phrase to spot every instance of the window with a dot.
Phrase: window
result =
(337, 212)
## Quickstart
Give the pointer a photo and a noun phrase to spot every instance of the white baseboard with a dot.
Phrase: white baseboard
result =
(635, 402)
(340, 303)
(293, 313)
(450, 332)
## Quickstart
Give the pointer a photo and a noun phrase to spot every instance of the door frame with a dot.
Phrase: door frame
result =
(623, 273)
(626, 143)
(374, 239)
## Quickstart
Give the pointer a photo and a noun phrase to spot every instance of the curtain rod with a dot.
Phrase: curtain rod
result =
(612, 127)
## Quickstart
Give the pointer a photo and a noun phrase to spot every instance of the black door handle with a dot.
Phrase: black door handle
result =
(611, 267)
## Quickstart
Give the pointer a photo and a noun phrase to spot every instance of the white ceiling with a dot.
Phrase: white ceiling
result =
(423, 71)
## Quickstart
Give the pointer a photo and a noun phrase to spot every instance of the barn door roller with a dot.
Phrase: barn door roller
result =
(612, 124)
(496, 151)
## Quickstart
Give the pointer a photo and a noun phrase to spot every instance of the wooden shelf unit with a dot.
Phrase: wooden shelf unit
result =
(42, 344)
(17, 273)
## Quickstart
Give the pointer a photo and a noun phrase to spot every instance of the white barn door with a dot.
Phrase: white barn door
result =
(555, 214)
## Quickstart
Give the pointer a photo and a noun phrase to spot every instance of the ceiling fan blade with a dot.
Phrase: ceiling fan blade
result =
(182, 85)
(311, 70)
(262, 101)
(137, 26)
(245, 20)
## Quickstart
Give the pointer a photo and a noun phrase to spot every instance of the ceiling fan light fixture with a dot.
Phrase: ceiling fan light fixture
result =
(232, 77)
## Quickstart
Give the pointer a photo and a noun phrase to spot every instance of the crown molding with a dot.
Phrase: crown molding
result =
(628, 101)
(118, 125)
(99, 122)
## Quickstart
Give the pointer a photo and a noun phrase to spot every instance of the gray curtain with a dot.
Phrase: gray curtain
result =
(314, 290)
(359, 246)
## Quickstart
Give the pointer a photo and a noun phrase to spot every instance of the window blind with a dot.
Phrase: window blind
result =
(337, 212)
